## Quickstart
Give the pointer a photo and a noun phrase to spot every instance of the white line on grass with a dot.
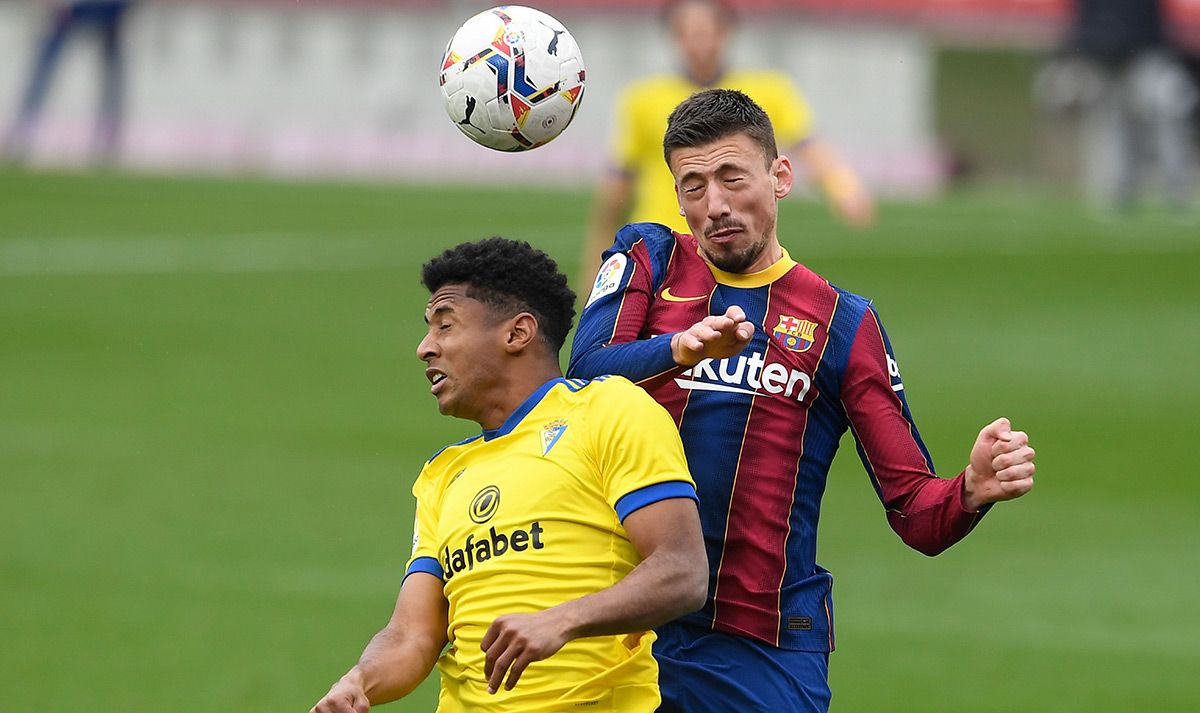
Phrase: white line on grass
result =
(214, 254)
(250, 252)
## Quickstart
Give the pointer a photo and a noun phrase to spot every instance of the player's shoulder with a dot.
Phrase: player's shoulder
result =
(605, 386)
(442, 468)
(593, 389)
(656, 237)
(851, 308)
(447, 452)
(650, 242)
(611, 398)
(850, 299)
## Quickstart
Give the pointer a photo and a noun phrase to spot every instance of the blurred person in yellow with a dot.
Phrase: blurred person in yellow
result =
(700, 30)
(547, 547)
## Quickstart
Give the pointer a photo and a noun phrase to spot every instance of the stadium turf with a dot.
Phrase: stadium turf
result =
(211, 414)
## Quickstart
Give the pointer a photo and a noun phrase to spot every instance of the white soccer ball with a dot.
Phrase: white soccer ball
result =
(512, 78)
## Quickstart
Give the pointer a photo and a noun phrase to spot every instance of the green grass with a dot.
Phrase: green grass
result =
(211, 414)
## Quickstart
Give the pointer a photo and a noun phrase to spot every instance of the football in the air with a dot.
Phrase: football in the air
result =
(512, 78)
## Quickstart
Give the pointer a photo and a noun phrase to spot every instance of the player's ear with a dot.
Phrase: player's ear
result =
(522, 331)
(782, 176)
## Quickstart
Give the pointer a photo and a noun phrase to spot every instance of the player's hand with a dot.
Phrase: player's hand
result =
(714, 337)
(855, 209)
(1001, 466)
(514, 641)
(346, 696)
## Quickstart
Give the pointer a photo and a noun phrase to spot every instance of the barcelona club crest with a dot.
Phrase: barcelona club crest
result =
(795, 334)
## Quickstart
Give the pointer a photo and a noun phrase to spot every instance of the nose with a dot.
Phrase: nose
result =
(718, 201)
(427, 349)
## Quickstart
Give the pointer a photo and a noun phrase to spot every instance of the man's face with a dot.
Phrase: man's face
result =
(728, 194)
(700, 33)
(464, 344)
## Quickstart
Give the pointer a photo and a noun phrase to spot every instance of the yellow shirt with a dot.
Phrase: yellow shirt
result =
(642, 120)
(528, 516)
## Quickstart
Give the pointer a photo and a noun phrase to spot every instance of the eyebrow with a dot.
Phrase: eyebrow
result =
(430, 316)
(721, 168)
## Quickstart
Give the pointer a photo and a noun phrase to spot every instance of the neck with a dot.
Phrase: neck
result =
(756, 276)
(770, 255)
(704, 76)
(508, 396)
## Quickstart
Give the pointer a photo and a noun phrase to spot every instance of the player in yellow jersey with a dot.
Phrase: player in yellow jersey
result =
(700, 30)
(548, 546)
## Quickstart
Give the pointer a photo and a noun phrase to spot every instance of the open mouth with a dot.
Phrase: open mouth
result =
(435, 379)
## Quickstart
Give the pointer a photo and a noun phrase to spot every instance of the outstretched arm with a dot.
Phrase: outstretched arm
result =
(929, 513)
(671, 580)
(847, 197)
(400, 656)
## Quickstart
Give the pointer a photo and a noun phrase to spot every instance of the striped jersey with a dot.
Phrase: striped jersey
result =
(761, 428)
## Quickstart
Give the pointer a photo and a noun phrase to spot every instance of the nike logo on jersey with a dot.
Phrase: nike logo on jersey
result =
(666, 295)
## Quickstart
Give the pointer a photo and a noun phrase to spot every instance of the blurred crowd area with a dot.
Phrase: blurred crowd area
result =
(917, 94)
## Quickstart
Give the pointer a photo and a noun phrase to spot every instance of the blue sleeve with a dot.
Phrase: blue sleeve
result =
(640, 498)
(636, 361)
(630, 272)
(428, 565)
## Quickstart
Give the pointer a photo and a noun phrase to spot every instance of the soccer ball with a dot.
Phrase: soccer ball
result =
(512, 78)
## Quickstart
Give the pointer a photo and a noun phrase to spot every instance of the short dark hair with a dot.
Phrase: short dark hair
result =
(714, 114)
(509, 276)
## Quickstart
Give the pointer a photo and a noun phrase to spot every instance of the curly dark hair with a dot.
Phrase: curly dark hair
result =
(509, 276)
(714, 114)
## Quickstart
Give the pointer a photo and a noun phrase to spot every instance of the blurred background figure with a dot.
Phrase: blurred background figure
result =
(700, 31)
(1121, 68)
(105, 17)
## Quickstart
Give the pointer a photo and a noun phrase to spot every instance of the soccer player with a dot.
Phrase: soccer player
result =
(764, 365)
(547, 546)
(700, 30)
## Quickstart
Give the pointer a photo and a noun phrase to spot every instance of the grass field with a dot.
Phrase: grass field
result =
(211, 414)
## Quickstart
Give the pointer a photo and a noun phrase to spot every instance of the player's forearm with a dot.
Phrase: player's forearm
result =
(636, 361)
(839, 183)
(934, 516)
(665, 586)
(393, 664)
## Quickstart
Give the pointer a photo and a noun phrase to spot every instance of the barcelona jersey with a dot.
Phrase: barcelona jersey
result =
(528, 516)
(761, 428)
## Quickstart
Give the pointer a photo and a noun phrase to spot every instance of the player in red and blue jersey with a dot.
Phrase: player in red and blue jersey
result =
(764, 365)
